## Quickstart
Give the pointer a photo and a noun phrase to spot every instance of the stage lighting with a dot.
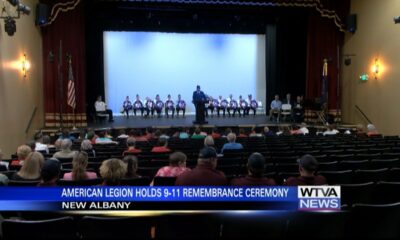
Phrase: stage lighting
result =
(396, 19)
(24, 9)
(9, 26)
(13, 2)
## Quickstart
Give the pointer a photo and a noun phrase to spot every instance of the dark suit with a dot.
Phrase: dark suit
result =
(199, 98)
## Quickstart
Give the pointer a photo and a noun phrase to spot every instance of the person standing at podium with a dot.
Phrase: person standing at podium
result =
(199, 99)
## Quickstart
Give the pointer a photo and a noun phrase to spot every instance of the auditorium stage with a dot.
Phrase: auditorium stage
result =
(187, 121)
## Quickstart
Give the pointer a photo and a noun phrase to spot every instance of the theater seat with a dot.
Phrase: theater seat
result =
(271, 225)
(164, 181)
(356, 193)
(375, 175)
(338, 177)
(115, 228)
(59, 228)
(374, 221)
(23, 183)
(317, 225)
(86, 182)
(387, 192)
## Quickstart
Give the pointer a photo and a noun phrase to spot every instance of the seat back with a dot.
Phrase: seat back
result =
(356, 193)
(164, 181)
(59, 228)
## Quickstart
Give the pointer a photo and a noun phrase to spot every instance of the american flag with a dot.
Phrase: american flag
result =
(71, 88)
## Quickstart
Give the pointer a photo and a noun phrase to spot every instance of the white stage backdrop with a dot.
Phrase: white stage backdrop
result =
(150, 63)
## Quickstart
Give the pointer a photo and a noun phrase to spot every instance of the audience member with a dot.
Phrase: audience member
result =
(183, 133)
(215, 133)
(112, 171)
(50, 173)
(226, 133)
(372, 131)
(30, 170)
(3, 180)
(331, 130)
(307, 168)
(66, 151)
(242, 133)
(254, 133)
(255, 168)
(197, 134)
(205, 173)
(131, 144)
(22, 152)
(103, 139)
(47, 141)
(131, 166)
(87, 147)
(303, 129)
(66, 135)
(268, 132)
(177, 166)
(32, 145)
(162, 146)
(209, 141)
(231, 145)
(149, 133)
(137, 134)
(122, 134)
(79, 165)
(39, 146)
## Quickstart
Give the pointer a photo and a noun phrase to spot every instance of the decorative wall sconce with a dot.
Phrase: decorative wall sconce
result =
(25, 65)
(376, 68)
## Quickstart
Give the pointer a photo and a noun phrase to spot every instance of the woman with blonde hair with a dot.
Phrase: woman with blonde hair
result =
(79, 164)
(112, 171)
(30, 170)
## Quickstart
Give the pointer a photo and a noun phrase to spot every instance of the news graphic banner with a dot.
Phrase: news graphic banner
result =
(169, 198)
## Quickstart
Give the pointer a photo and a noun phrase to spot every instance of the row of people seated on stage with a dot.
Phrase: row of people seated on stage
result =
(295, 109)
(154, 106)
(241, 106)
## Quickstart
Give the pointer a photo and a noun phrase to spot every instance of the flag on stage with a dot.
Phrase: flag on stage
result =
(71, 87)
(324, 90)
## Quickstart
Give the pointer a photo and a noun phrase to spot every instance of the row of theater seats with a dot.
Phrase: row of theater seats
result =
(360, 221)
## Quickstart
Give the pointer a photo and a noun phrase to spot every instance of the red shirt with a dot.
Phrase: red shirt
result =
(298, 181)
(215, 135)
(169, 171)
(141, 138)
(253, 181)
(161, 149)
(202, 175)
(131, 150)
(242, 135)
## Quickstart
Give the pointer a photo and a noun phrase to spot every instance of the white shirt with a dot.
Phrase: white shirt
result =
(304, 130)
(41, 147)
(100, 106)
(333, 132)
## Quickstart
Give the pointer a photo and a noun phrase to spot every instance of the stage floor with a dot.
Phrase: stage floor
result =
(187, 121)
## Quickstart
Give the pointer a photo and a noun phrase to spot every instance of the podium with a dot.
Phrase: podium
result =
(200, 111)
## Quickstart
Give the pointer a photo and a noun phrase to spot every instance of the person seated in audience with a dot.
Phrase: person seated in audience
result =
(87, 147)
(183, 133)
(254, 133)
(276, 106)
(131, 166)
(177, 166)
(180, 106)
(3, 181)
(295, 130)
(66, 134)
(50, 172)
(101, 107)
(231, 145)
(360, 130)
(164, 135)
(331, 130)
(122, 134)
(39, 146)
(303, 129)
(30, 170)
(103, 139)
(137, 134)
(22, 153)
(32, 145)
(79, 165)
(162, 146)
(307, 167)
(226, 133)
(126, 106)
(46, 140)
(112, 171)
(92, 136)
(255, 169)
(215, 133)
(157, 134)
(131, 144)
(198, 134)
(205, 173)
(66, 151)
(149, 133)
(372, 130)
(209, 141)
(268, 132)
(242, 133)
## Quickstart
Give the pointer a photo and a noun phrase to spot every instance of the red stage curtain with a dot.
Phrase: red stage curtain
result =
(68, 28)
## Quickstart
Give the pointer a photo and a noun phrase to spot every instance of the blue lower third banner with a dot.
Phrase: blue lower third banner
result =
(165, 198)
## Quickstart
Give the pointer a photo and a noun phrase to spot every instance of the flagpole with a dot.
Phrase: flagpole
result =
(73, 108)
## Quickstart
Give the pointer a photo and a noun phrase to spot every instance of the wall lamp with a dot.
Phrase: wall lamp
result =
(25, 65)
(376, 68)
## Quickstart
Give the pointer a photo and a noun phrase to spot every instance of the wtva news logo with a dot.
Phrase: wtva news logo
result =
(319, 198)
